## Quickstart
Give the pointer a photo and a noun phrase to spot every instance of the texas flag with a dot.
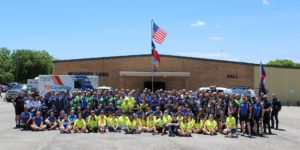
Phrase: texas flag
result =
(263, 75)
(155, 55)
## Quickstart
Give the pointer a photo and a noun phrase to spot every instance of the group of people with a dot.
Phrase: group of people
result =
(176, 113)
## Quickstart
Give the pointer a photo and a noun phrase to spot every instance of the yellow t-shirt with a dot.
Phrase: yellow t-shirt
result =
(101, 120)
(210, 125)
(151, 123)
(198, 125)
(131, 124)
(143, 122)
(180, 118)
(167, 118)
(191, 121)
(92, 123)
(112, 121)
(79, 123)
(123, 120)
(185, 126)
(231, 122)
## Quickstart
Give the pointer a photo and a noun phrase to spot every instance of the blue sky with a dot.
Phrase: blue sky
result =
(246, 30)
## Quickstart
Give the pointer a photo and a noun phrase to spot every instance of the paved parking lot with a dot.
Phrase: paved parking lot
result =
(14, 139)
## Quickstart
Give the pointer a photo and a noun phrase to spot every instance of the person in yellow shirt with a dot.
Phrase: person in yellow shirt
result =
(230, 130)
(138, 123)
(65, 126)
(161, 125)
(102, 122)
(130, 99)
(198, 124)
(180, 116)
(131, 126)
(210, 126)
(151, 122)
(143, 121)
(122, 121)
(126, 105)
(191, 120)
(79, 125)
(185, 128)
(112, 123)
(167, 117)
(92, 124)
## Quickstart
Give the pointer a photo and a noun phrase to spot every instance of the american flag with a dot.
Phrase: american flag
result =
(159, 34)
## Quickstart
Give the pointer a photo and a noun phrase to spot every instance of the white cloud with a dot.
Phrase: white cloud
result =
(216, 38)
(265, 2)
(198, 24)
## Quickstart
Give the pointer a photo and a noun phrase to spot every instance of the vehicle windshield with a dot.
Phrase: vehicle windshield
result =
(19, 86)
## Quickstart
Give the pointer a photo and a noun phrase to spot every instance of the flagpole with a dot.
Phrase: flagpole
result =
(152, 68)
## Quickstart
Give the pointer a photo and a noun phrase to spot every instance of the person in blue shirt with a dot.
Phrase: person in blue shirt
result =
(110, 108)
(72, 117)
(245, 116)
(140, 112)
(51, 121)
(157, 112)
(154, 103)
(257, 117)
(37, 122)
(26, 118)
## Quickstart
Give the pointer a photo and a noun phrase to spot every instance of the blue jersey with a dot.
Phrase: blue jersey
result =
(72, 118)
(38, 120)
(257, 110)
(244, 107)
(25, 116)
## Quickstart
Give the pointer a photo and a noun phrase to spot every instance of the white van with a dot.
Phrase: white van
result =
(49, 83)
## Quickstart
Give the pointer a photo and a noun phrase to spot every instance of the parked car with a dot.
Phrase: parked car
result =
(3, 87)
(13, 92)
(212, 89)
(243, 91)
(105, 88)
(229, 91)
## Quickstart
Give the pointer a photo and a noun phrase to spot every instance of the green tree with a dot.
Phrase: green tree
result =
(30, 63)
(283, 63)
(6, 66)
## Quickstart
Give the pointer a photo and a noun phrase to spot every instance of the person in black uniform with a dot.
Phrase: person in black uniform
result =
(266, 115)
(18, 103)
(276, 107)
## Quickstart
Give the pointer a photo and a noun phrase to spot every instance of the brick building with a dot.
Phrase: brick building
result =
(178, 72)
(174, 72)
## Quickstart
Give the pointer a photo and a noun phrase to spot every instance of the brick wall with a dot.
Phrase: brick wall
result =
(203, 72)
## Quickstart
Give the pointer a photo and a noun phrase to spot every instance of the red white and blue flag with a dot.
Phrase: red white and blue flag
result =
(155, 55)
(263, 75)
(158, 34)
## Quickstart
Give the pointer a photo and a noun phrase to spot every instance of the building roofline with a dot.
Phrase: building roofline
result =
(171, 56)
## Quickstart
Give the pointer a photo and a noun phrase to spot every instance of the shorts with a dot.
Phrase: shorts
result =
(19, 108)
(245, 118)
